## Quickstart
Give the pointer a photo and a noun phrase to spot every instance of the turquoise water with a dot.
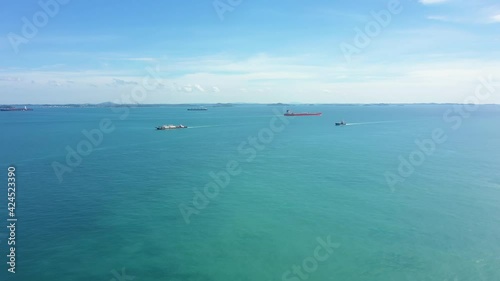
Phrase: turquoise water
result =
(119, 208)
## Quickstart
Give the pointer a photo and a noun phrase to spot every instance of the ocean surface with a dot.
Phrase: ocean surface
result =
(114, 211)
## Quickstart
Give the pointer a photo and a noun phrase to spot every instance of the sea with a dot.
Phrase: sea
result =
(402, 192)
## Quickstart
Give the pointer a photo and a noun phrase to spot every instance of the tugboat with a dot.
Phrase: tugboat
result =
(170, 127)
(341, 123)
(289, 113)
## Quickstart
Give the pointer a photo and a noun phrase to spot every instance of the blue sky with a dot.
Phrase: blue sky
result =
(257, 51)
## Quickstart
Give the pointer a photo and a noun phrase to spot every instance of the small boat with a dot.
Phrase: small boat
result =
(341, 123)
(197, 109)
(289, 113)
(15, 109)
(171, 127)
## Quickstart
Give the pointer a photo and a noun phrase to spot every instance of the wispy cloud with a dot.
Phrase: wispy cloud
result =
(461, 11)
(54, 83)
(431, 2)
(77, 39)
(136, 59)
(439, 18)
(121, 82)
(10, 79)
(455, 19)
(311, 82)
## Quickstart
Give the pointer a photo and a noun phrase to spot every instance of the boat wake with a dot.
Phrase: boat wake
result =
(369, 123)
(207, 126)
(221, 125)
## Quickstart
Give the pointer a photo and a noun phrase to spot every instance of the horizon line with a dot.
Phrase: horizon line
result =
(242, 103)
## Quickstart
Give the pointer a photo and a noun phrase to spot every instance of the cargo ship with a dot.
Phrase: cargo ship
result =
(289, 113)
(197, 109)
(170, 127)
(15, 109)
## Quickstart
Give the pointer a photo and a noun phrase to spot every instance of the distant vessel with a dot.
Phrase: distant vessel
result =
(197, 109)
(341, 123)
(15, 109)
(170, 127)
(289, 113)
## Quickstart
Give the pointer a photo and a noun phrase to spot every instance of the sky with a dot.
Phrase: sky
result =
(258, 51)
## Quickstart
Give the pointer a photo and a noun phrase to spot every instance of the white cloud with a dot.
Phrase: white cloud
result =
(137, 59)
(430, 2)
(54, 83)
(463, 11)
(439, 18)
(199, 87)
(10, 79)
(121, 82)
(187, 88)
(302, 79)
